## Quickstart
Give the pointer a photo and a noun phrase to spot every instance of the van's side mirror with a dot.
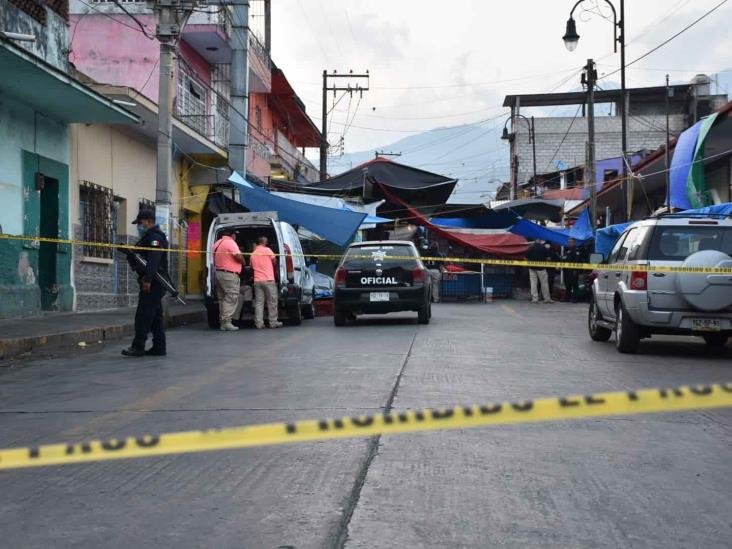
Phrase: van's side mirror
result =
(596, 259)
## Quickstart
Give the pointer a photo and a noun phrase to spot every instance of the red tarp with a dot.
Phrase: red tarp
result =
(502, 245)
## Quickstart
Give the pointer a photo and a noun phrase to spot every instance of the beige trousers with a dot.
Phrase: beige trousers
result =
(265, 291)
(543, 279)
(227, 292)
(435, 279)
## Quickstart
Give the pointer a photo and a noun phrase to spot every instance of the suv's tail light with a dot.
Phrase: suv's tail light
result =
(340, 278)
(639, 280)
(419, 276)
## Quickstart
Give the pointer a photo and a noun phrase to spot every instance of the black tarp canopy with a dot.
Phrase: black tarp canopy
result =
(420, 188)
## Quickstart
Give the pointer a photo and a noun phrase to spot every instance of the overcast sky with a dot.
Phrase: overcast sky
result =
(436, 63)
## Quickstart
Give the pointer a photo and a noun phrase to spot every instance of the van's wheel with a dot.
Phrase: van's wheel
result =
(308, 311)
(597, 333)
(294, 314)
(627, 335)
(339, 318)
(716, 341)
(423, 315)
(212, 316)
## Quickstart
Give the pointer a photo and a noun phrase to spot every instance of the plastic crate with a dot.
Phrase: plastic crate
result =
(460, 286)
(502, 284)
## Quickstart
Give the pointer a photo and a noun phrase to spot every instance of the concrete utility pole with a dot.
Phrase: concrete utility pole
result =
(167, 33)
(588, 78)
(239, 101)
(268, 25)
(324, 120)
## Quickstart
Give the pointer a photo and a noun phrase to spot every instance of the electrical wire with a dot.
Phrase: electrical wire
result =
(672, 37)
(110, 16)
(135, 19)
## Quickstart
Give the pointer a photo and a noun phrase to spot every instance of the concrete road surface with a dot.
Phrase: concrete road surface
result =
(644, 481)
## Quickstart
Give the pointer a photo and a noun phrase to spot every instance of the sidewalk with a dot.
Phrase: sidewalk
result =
(22, 335)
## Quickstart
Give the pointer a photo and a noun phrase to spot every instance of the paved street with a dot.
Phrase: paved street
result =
(644, 481)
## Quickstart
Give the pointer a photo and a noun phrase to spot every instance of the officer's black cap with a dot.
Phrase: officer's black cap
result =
(144, 214)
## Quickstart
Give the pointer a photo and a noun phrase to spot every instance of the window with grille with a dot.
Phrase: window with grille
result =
(98, 215)
(192, 103)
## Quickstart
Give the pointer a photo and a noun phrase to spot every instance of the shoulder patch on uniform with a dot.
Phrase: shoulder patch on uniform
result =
(155, 243)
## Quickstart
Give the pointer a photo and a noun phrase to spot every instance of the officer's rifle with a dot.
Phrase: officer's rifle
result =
(164, 282)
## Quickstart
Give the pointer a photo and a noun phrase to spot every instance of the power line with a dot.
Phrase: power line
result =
(679, 33)
(135, 19)
(110, 16)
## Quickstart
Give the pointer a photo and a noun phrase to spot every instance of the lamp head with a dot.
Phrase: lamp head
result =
(505, 135)
(570, 36)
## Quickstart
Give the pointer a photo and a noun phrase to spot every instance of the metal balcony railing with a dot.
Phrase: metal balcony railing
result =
(213, 127)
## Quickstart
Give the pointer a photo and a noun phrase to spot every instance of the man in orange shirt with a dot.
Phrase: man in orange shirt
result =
(263, 262)
(228, 261)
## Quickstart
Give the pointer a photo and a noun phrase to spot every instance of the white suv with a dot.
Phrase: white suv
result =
(637, 304)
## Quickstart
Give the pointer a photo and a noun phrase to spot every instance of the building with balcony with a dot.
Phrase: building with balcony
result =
(41, 103)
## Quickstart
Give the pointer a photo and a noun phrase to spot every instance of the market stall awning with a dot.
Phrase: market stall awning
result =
(532, 208)
(53, 92)
(502, 245)
(419, 188)
(336, 225)
(340, 204)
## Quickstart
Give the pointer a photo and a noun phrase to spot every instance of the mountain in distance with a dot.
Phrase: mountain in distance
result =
(472, 153)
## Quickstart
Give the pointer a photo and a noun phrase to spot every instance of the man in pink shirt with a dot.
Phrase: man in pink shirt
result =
(228, 261)
(263, 262)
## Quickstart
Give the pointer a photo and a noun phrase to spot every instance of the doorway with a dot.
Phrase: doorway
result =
(48, 251)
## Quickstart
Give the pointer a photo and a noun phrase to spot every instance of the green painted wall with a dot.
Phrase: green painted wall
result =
(22, 270)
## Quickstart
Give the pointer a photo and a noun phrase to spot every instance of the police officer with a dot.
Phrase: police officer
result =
(573, 254)
(149, 315)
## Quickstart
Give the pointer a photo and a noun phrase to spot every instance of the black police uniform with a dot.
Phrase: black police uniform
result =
(149, 315)
(571, 276)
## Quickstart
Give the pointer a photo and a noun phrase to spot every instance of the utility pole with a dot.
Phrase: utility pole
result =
(167, 33)
(324, 120)
(588, 78)
(268, 26)
(514, 177)
(626, 106)
(666, 155)
(239, 103)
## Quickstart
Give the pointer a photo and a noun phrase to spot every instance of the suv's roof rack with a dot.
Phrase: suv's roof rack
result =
(682, 215)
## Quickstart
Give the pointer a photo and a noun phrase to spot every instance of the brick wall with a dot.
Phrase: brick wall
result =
(644, 132)
(111, 284)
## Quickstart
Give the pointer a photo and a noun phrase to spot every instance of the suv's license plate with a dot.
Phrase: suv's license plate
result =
(705, 325)
(379, 296)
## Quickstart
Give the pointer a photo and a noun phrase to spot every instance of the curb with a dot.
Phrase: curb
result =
(12, 347)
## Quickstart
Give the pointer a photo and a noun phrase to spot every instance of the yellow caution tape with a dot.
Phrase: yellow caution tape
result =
(466, 260)
(411, 421)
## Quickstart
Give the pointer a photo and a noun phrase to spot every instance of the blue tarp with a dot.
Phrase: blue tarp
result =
(606, 238)
(681, 163)
(333, 224)
(492, 220)
(582, 229)
(371, 219)
(529, 229)
(719, 209)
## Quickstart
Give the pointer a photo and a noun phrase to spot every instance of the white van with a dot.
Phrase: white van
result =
(294, 279)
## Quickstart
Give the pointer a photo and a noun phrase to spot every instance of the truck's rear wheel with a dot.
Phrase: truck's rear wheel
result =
(294, 314)
(627, 336)
(212, 316)
(597, 333)
(717, 341)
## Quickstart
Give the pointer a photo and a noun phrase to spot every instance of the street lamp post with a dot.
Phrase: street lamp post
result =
(571, 38)
(532, 139)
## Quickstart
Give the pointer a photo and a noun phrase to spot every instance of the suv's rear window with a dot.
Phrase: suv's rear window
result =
(678, 243)
(366, 257)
